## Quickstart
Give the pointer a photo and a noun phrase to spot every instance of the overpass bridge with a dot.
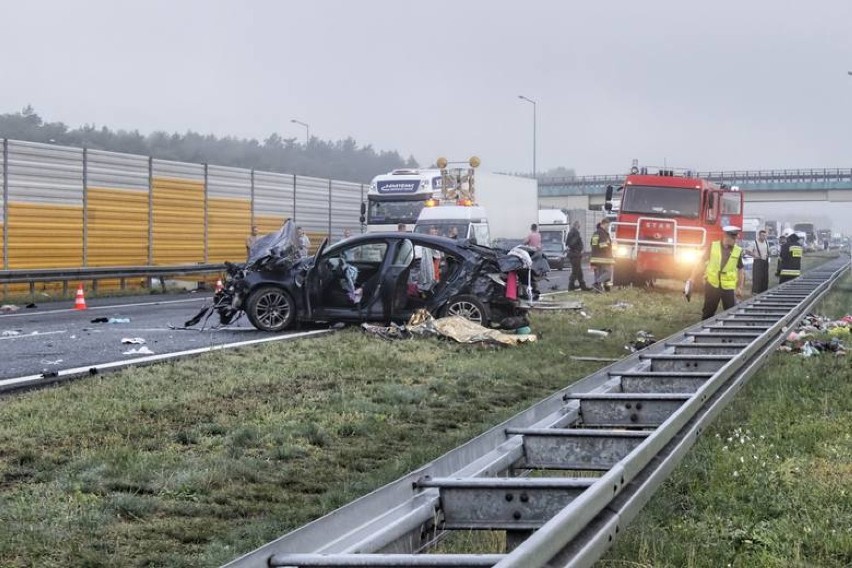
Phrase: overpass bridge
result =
(759, 185)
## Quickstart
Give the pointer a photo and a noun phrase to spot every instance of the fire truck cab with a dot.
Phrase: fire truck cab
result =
(665, 221)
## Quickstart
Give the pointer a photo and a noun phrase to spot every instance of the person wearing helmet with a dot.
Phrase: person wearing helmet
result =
(790, 258)
(723, 272)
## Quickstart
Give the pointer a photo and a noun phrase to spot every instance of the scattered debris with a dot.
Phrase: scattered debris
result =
(600, 332)
(818, 334)
(643, 340)
(599, 359)
(10, 332)
(51, 362)
(111, 320)
(585, 315)
(9, 308)
(544, 305)
(422, 324)
(133, 341)
(30, 306)
(139, 351)
(621, 305)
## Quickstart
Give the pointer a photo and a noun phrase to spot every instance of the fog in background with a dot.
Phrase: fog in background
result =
(713, 86)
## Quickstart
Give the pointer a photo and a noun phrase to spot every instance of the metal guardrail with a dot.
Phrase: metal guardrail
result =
(65, 275)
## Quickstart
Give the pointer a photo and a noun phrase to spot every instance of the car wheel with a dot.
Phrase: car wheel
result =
(470, 308)
(270, 308)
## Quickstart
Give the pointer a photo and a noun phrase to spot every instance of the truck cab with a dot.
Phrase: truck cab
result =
(553, 227)
(665, 222)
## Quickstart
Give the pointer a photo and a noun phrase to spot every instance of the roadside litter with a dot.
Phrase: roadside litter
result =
(51, 362)
(11, 332)
(544, 305)
(818, 334)
(111, 320)
(599, 332)
(422, 324)
(643, 340)
(8, 308)
(133, 341)
(139, 351)
(621, 305)
(595, 359)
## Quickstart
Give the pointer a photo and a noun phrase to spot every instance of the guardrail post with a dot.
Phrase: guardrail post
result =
(85, 208)
(252, 200)
(206, 213)
(5, 203)
(329, 210)
(150, 210)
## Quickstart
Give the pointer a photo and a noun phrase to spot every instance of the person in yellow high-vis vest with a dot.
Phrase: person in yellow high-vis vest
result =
(723, 272)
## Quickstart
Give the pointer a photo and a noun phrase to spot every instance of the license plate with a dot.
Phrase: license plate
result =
(645, 248)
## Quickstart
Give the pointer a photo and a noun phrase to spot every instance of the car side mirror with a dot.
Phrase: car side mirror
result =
(609, 190)
(608, 206)
(363, 218)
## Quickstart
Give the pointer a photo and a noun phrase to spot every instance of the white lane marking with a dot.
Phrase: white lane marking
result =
(30, 312)
(32, 334)
(8, 384)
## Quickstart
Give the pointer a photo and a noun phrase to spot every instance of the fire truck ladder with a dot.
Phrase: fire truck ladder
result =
(565, 476)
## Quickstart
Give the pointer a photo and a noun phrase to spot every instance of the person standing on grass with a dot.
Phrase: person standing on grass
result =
(760, 268)
(574, 242)
(601, 257)
(789, 259)
(723, 273)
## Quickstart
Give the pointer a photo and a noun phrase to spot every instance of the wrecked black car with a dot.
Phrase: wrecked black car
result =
(379, 277)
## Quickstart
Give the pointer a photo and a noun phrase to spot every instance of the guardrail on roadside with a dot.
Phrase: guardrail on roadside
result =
(122, 273)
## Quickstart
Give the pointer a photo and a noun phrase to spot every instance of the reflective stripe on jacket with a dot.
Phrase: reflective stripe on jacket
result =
(719, 276)
(791, 261)
(601, 245)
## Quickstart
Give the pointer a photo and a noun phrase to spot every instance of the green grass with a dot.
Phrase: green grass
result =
(196, 462)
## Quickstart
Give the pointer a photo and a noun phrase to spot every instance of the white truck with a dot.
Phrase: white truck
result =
(553, 226)
(751, 225)
(508, 203)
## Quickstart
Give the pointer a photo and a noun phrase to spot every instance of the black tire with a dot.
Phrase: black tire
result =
(269, 308)
(624, 273)
(470, 308)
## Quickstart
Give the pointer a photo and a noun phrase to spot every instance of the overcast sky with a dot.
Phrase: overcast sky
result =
(716, 85)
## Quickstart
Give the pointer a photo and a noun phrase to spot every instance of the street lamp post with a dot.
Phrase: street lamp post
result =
(307, 130)
(523, 98)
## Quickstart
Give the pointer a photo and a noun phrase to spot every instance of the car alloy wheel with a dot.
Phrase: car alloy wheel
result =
(271, 309)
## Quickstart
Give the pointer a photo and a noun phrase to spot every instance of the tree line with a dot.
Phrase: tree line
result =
(342, 160)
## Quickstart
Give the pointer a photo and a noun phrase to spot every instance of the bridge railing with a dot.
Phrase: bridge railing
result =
(733, 176)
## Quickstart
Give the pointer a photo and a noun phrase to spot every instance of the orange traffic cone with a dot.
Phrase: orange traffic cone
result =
(219, 286)
(80, 300)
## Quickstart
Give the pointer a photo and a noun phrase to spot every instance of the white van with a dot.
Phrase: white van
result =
(456, 221)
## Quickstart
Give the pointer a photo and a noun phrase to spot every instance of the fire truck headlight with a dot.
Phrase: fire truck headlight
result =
(688, 256)
(622, 251)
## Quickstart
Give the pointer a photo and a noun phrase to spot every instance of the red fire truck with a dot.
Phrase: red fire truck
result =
(665, 221)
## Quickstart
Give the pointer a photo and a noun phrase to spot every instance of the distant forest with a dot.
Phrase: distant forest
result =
(342, 160)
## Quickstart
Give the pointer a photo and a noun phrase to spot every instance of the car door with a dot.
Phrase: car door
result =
(394, 281)
(344, 283)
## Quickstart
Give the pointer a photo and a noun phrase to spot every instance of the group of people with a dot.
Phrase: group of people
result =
(722, 264)
(723, 268)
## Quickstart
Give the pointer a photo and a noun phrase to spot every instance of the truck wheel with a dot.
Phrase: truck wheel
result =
(468, 307)
(269, 308)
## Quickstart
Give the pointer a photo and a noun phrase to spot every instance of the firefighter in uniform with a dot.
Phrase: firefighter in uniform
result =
(723, 273)
(601, 257)
(790, 258)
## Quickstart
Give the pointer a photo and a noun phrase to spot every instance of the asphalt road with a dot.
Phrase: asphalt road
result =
(54, 336)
